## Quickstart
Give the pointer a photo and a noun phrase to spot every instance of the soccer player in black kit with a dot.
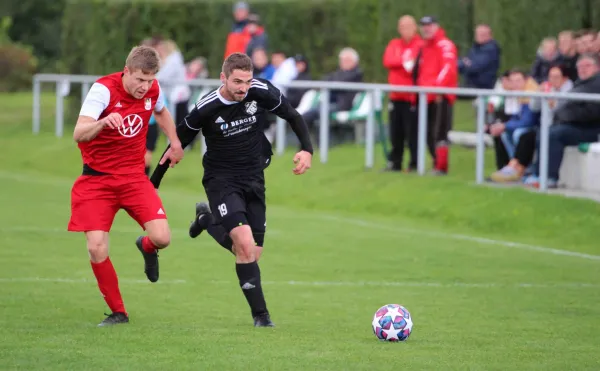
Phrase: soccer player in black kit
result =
(231, 119)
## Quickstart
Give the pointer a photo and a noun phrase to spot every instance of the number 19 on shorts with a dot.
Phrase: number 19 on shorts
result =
(222, 209)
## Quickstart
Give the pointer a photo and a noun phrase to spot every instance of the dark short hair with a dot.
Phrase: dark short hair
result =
(237, 61)
(561, 67)
(506, 73)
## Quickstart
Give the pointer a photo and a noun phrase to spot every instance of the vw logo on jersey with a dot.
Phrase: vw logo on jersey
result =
(251, 107)
(132, 125)
(224, 127)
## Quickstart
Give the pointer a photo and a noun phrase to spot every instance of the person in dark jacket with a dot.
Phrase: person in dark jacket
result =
(547, 56)
(575, 122)
(340, 100)
(294, 95)
(568, 53)
(258, 36)
(480, 66)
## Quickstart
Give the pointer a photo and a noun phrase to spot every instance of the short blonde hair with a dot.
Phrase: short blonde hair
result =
(144, 58)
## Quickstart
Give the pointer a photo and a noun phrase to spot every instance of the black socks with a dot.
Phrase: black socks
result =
(220, 235)
(249, 276)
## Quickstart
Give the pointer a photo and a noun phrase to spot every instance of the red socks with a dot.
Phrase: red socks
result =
(109, 285)
(441, 158)
(148, 245)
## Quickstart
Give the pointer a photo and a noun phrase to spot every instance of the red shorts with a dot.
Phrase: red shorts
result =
(95, 200)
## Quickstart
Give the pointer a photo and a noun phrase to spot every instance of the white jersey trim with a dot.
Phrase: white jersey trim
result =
(160, 101)
(96, 101)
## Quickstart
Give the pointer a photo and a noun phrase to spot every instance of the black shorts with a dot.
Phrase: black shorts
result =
(152, 137)
(236, 201)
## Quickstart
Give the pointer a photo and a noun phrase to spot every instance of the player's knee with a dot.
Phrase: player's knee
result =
(244, 243)
(97, 246)
(159, 233)
(161, 239)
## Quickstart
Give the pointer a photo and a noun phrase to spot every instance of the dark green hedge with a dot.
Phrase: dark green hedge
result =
(97, 35)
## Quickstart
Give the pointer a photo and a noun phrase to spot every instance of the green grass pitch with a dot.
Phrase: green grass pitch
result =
(495, 279)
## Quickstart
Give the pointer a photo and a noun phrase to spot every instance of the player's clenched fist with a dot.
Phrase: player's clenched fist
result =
(303, 161)
(113, 121)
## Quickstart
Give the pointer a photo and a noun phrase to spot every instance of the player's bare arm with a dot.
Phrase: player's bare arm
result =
(87, 128)
(165, 121)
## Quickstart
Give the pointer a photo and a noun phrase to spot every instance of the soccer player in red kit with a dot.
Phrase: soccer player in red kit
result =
(111, 134)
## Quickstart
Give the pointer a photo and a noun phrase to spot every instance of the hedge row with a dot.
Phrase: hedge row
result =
(97, 35)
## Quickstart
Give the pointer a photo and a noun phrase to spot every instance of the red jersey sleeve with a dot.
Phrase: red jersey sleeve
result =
(449, 70)
(392, 58)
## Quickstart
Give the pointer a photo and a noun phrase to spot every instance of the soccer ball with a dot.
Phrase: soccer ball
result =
(392, 322)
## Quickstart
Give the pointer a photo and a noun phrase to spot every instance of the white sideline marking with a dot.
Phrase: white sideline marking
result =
(21, 228)
(463, 237)
(424, 284)
(82, 280)
(48, 180)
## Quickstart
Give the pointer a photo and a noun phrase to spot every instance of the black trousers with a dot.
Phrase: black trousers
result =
(439, 123)
(403, 128)
(524, 151)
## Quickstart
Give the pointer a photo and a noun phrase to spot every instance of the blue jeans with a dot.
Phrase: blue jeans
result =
(561, 136)
(510, 139)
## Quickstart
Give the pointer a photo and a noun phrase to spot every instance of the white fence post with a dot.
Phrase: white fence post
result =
(422, 136)
(36, 105)
(480, 144)
(59, 119)
(324, 125)
(370, 131)
(544, 136)
(280, 136)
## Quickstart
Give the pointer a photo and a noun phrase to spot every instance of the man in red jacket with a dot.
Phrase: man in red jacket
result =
(399, 59)
(438, 67)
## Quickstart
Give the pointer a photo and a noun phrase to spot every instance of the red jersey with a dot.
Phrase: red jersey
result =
(400, 58)
(438, 65)
(119, 151)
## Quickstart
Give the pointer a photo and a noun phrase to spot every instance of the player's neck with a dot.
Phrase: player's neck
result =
(225, 94)
(125, 86)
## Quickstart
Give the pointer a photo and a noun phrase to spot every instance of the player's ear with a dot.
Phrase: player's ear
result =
(223, 78)
(126, 70)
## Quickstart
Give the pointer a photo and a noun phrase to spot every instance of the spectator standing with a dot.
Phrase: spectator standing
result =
(568, 53)
(258, 36)
(400, 59)
(480, 66)
(547, 56)
(438, 67)
(172, 76)
(238, 38)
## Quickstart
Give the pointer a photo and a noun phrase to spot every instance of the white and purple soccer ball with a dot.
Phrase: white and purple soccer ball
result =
(392, 322)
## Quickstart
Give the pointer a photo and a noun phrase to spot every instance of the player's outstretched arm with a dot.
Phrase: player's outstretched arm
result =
(186, 132)
(284, 109)
(87, 128)
(165, 121)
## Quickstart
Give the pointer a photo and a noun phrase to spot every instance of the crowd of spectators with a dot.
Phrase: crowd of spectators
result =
(422, 55)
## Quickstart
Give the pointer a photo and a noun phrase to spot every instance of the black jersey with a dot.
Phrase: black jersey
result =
(234, 131)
